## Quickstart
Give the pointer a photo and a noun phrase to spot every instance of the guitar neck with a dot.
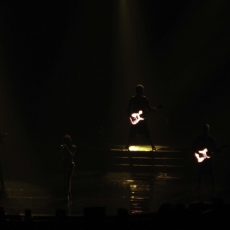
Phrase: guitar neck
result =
(153, 109)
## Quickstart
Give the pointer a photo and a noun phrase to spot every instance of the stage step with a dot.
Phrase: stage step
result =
(144, 168)
(139, 161)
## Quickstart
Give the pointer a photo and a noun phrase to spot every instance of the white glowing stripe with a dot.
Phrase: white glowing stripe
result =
(202, 155)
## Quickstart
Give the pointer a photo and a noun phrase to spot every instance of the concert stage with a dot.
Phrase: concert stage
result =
(113, 178)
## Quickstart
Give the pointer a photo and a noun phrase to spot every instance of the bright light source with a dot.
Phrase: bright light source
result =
(140, 148)
(202, 155)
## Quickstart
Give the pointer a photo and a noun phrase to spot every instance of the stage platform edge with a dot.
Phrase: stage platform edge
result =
(116, 158)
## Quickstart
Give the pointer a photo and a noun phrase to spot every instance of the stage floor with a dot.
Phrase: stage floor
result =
(135, 190)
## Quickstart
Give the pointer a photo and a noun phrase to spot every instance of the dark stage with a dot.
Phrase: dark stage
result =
(139, 181)
(72, 68)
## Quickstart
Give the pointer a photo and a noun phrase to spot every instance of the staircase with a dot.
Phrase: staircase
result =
(164, 160)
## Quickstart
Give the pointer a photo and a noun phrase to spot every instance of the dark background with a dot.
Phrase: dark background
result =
(72, 67)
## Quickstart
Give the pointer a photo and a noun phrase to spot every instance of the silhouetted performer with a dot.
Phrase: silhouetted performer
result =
(67, 156)
(1, 175)
(205, 141)
(137, 103)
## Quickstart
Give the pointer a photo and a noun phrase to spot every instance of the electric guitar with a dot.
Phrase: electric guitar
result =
(136, 117)
(202, 154)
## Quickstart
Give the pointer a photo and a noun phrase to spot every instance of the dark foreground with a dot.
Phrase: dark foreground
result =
(131, 197)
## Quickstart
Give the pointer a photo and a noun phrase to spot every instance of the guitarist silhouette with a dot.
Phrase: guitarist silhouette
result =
(204, 147)
(139, 103)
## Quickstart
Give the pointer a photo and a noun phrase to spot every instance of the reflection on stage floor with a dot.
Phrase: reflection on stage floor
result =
(138, 191)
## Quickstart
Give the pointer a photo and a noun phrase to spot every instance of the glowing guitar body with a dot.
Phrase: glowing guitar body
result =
(136, 117)
(202, 155)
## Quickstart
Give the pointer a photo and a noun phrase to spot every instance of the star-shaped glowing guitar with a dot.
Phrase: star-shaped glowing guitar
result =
(202, 155)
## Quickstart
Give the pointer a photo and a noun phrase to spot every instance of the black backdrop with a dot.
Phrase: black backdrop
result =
(61, 73)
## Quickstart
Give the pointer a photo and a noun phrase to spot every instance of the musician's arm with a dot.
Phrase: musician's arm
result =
(148, 106)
